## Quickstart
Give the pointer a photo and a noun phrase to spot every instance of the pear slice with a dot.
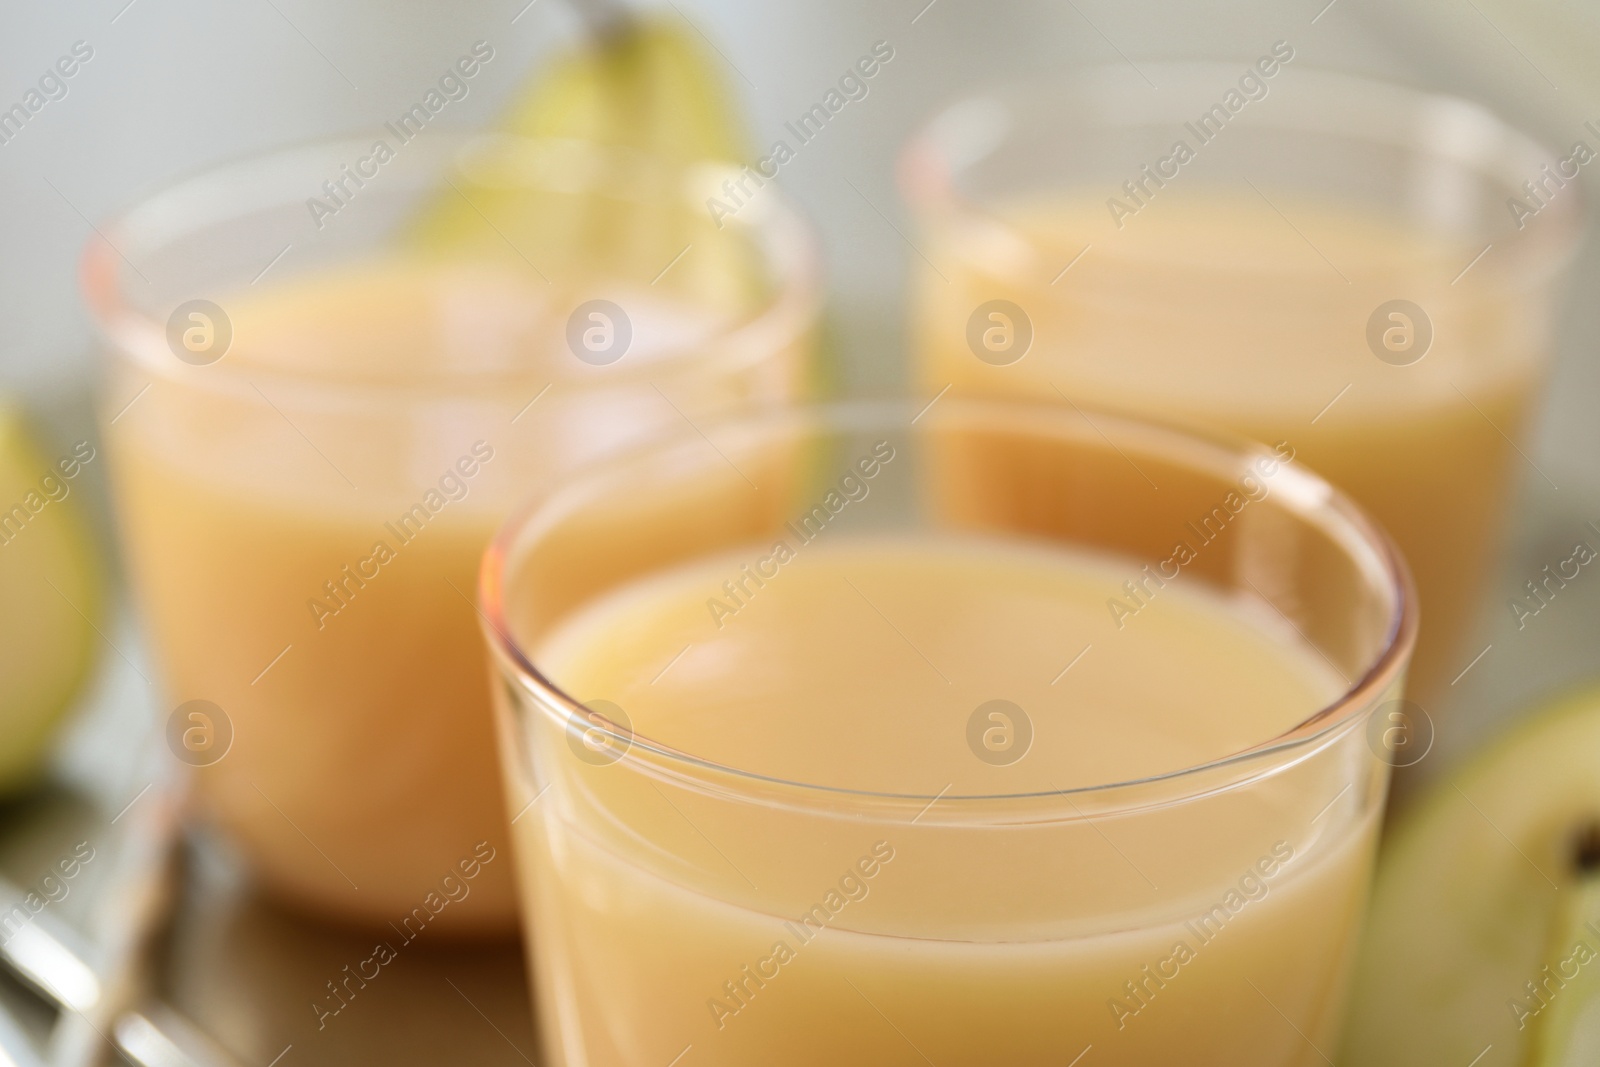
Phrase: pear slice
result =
(1566, 1033)
(1482, 944)
(50, 598)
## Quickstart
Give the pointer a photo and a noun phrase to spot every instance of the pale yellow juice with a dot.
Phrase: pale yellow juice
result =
(668, 922)
(1226, 310)
(304, 521)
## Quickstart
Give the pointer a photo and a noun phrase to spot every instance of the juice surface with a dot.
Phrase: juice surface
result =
(666, 919)
(892, 644)
(1226, 310)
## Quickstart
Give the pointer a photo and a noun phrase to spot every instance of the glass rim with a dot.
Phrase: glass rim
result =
(787, 242)
(1381, 672)
(928, 180)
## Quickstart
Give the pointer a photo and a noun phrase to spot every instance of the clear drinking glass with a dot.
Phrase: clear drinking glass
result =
(1354, 267)
(331, 374)
(672, 898)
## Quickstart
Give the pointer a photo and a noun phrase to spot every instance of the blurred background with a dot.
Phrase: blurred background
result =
(174, 86)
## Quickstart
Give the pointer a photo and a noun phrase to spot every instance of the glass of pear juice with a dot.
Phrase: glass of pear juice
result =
(821, 746)
(316, 419)
(1360, 270)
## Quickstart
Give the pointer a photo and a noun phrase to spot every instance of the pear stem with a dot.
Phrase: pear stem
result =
(603, 18)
